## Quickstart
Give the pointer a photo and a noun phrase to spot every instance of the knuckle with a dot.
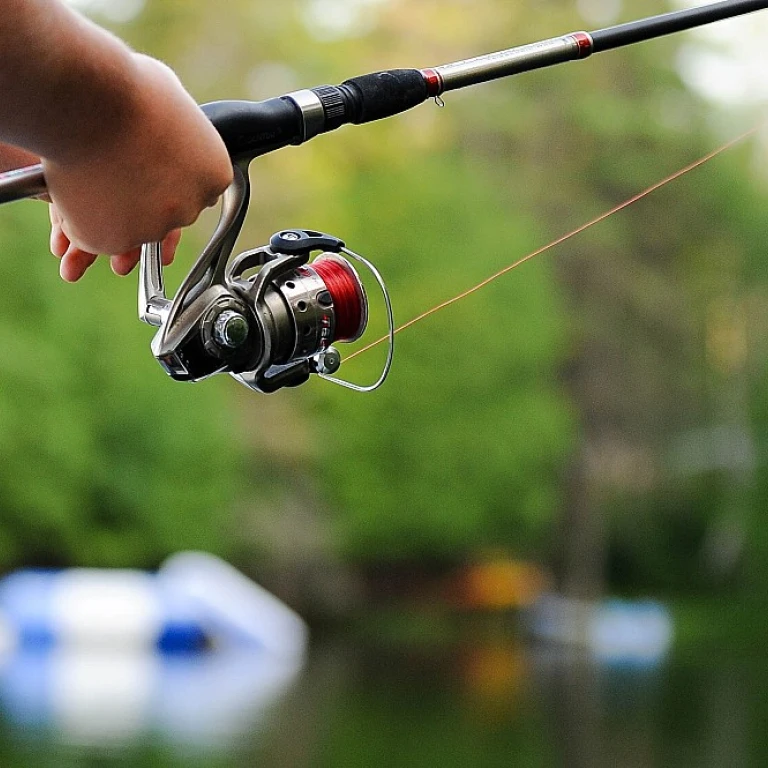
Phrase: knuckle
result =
(181, 214)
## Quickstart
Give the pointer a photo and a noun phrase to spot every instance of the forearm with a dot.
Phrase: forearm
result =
(12, 157)
(64, 81)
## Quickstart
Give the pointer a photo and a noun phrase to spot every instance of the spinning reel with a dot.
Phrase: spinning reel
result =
(269, 317)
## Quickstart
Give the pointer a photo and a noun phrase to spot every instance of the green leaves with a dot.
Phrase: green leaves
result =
(104, 461)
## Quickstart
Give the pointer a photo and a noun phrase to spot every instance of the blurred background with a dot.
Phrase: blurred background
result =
(542, 542)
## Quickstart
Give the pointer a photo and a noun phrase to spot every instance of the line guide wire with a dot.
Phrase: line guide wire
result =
(563, 238)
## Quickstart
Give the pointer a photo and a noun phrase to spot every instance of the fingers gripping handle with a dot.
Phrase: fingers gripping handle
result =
(209, 269)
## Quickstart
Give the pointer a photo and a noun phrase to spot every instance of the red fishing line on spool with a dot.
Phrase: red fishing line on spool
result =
(345, 288)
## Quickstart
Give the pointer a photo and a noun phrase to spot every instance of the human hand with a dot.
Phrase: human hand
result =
(139, 184)
(75, 261)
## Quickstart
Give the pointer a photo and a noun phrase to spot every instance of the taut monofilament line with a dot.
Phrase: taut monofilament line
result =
(465, 294)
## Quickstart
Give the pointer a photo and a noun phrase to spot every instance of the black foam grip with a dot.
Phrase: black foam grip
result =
(383, 94)
(253, 128)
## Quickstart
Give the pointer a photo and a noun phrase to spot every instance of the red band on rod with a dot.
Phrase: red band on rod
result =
(584, 41)
(434, 82)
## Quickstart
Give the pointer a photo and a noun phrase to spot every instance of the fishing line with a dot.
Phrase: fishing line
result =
(591, 223)
(342, 283)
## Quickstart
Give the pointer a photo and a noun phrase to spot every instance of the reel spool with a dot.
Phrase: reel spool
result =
(269, 317)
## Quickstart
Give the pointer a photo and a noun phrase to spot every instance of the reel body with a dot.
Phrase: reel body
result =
(269, 317)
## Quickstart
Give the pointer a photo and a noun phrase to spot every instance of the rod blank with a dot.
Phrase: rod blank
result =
(669, 23)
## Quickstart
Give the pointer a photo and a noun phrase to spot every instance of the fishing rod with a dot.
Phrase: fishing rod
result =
(270, 317)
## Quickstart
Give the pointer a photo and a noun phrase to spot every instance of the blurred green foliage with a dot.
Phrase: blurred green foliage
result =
(102, 464)
(577, 409)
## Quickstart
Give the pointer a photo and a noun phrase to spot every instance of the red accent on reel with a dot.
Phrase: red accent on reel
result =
(348, 295)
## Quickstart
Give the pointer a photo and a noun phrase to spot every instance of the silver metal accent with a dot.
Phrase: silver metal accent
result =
(312, 112)
(20, 183)
(153, 305)
(327, 362)
(299, 291)
(481, 69)
(230, 329)
(390, 332)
